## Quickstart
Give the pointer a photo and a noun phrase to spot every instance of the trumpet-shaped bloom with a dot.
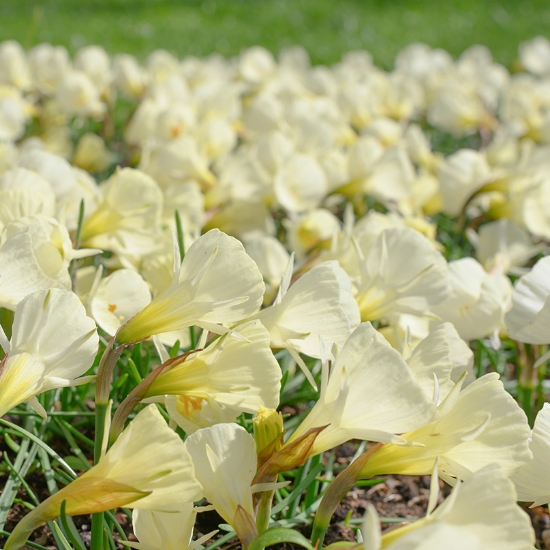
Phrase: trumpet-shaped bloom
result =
(371, 394)
(442, 354)
(533, 479)
(117, 298)
(129, 218)
(503, 245)
(318, 306)
(401, 272)
(216, 283)
(148, 467)
(225, 464)
(529, 319)
(53, 342)
(480, 514)
(475, 427)
(476, 304)
(229, 377)
(35, 255)
(166, 530)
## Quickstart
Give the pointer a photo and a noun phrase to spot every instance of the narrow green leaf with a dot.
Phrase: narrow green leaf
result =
(279, 535)
(38, 441)
(341, 544)
(70, 529)
(59, 536)
(28, 543)
(297, 490)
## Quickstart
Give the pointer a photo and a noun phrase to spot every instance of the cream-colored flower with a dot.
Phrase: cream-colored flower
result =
(370, 394)
(272, 259)
(35, 254)
(529, 319)
(14, 69)
(534, 55)
(442, 355)
(148, 467)
(400, 272)
(49, 65)
(53, 343)
(14, 113)
(128, 220)
(313, 229)
(128, 76)
(225, 464)
(92, 154)
(117, 298)
(24, 193)
(502, 246)
(317, 311)
(477, 300)
(228, 377)
(77, 95)
(532, 481)
(300, 185)
(166, 530)
(477, 426)
(460, 176)
(51, 167)
(480, 514)
(217, 282)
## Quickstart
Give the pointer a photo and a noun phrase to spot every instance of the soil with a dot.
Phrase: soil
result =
(395, 496)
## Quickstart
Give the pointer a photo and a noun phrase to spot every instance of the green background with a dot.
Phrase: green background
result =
(325, 28)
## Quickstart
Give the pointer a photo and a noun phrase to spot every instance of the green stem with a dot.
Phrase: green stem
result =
(343, 482)
(179, 231)
(526, 382)
(102, 409)
(72, 267)
(264, 511)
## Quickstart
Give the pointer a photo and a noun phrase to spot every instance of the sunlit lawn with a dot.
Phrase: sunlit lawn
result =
(325, 28)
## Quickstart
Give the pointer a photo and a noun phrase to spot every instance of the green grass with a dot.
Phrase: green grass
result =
(325, 28)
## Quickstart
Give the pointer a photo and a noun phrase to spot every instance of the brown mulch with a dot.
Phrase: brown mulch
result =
(397, 496)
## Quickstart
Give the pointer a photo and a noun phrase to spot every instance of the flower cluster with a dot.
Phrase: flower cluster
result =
(259, 224)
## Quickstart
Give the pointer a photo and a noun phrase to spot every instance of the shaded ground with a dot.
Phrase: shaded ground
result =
(402, 497)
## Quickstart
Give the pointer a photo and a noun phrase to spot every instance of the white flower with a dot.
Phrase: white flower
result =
(533, 479)
(53, 342)
(370, 394)
(217, 282)
(216, 384)
(480, 514)
(224, 456)
(529, 319)
(477, 426)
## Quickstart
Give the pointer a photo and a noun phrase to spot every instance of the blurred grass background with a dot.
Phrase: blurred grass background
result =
(326, 28)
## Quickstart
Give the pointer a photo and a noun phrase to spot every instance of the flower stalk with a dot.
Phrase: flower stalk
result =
(336, 491)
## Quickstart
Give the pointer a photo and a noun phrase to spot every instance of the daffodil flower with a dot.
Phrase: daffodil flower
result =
(53, 343)
(217, 282)
(148, 467)
(480, 514)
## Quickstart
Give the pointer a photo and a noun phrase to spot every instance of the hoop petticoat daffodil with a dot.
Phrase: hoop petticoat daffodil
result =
(53, 342)
(35, 254)
(148, 467)
(217, 282)
(229, 376)
(225, 464)
(533, 478)
(370, 394)
(129, 218)
(167, 530)
(479, 514)
(317, 310)
(477, 426)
